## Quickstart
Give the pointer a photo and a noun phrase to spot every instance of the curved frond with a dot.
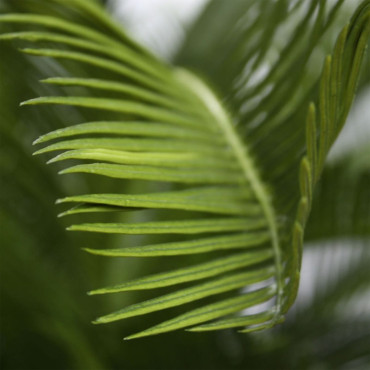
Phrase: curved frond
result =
(166, 126)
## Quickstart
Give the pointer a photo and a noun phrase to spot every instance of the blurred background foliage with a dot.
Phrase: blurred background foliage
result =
(45, 313)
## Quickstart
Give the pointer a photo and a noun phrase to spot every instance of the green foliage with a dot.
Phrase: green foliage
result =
(216, 184)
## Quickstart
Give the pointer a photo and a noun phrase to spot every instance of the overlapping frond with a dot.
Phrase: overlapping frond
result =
(266, 60)
(323, 126)
(347, 179)
(166, 126)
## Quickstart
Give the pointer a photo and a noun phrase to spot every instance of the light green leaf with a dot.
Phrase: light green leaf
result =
(132, 128)
(179, 160)
(235, 322)
(202, 271)
(236, 241)
(214, 311)
(214, 287)
(142, 145)
(115, 105)
(151, 173)
(173, 227)
(201, 199)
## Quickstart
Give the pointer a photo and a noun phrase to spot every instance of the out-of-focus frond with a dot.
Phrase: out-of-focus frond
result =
(347, 180)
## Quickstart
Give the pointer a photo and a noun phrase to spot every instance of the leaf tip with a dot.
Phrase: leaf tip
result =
(98, 252)
(50, 161)
(37, 141)
(60, 200)
(45, 80)
(40, 151)
(54, 159)
(65, 171)
(195, 329)
(28, 102)
(136, 336)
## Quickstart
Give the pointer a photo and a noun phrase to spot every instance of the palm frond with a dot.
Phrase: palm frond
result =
(167, 126)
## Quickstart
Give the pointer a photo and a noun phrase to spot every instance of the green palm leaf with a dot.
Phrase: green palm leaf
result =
(233, 186)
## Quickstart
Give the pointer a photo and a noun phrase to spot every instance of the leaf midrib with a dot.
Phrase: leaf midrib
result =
(240, 150)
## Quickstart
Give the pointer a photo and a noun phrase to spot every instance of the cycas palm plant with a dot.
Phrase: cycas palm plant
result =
(216, 156)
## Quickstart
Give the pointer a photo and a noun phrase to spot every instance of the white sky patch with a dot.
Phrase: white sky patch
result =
(324, 263)
(158, 24)
(356, 131)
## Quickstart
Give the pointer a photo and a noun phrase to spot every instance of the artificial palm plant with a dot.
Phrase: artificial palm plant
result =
(217, 155)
